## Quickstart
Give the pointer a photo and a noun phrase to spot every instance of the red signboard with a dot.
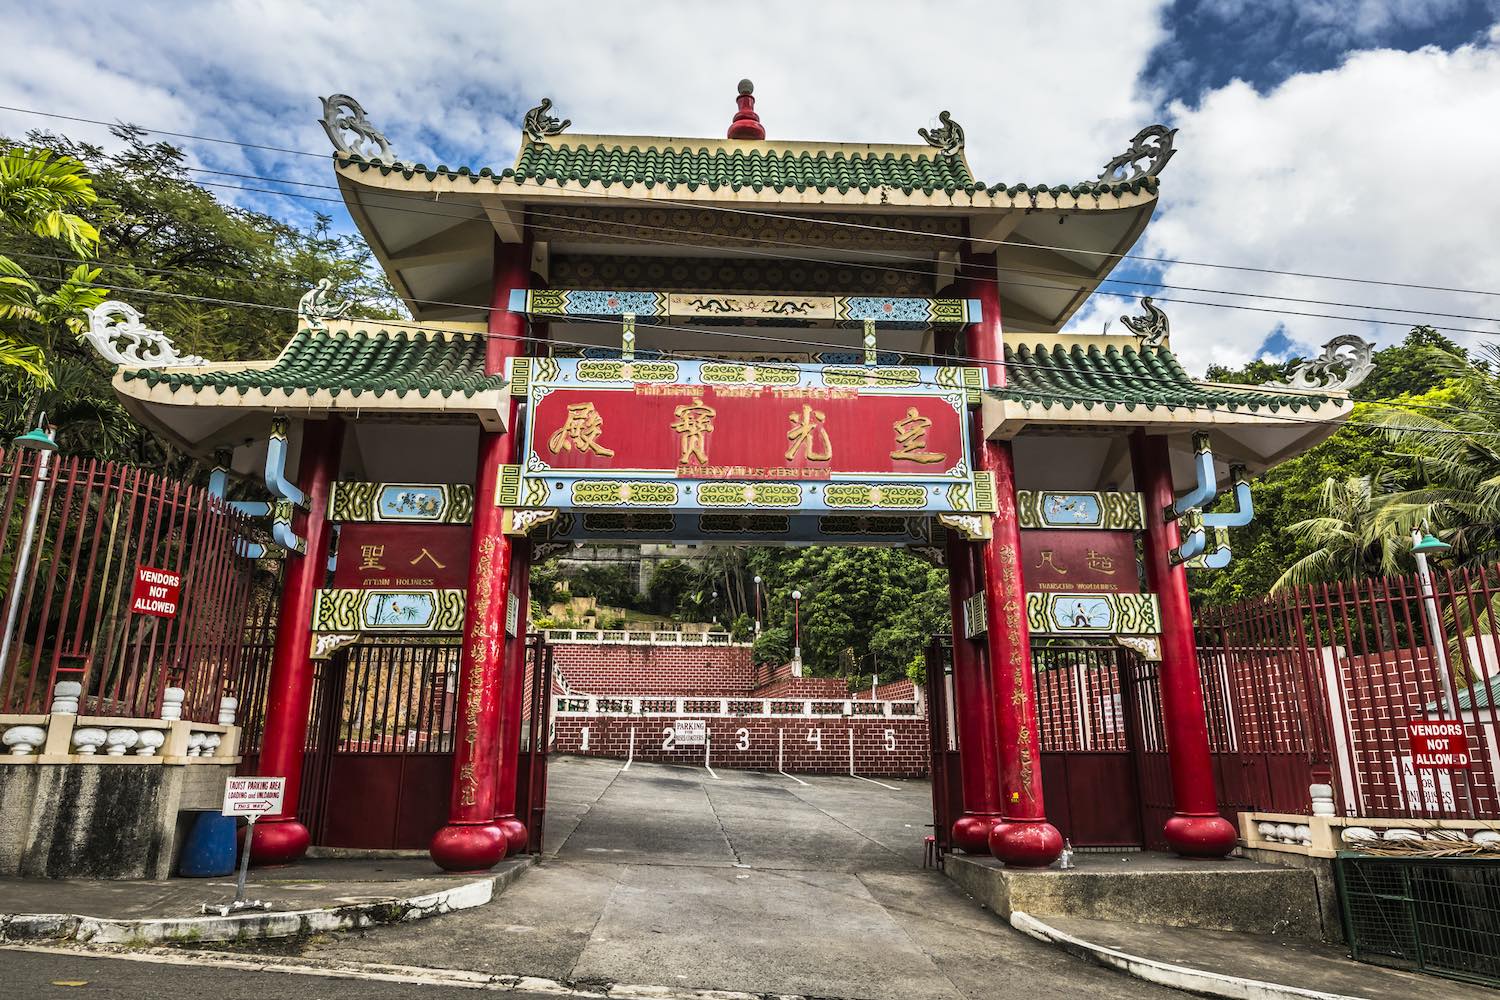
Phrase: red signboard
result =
(1079, 562)
(1438, 745)
(402, 555)
(155, 592)
(746, 432)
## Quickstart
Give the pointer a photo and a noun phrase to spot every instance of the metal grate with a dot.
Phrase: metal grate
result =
(1435, 915)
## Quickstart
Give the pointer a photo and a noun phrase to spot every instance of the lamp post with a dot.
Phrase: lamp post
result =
(38, 439)
(1423, 545)
(757, 605)
(797, 633)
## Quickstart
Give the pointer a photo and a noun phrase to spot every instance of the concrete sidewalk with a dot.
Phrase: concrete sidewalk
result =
(314, 896)
(1286, 966)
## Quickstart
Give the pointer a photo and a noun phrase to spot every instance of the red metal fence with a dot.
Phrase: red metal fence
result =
(73, 533)
(1324, 680)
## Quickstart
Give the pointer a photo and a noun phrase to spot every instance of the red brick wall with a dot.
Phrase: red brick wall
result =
(834, 688)
(624, 669)
(882, 747)
(901, 690)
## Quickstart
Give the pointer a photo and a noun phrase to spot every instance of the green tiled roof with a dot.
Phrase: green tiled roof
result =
(355, 361)
(606, 165)
(1129, 378)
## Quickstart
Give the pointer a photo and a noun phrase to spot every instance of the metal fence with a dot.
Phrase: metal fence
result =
(73, 533)
(1325, 680)
(1436, 915)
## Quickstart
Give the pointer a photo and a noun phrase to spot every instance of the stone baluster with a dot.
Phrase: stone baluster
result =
(227, 707)
(211, 743)
(150, 741)
(171, 704)
(195, 745)
(65, 698)
(24, 740)
(88, 739)
(1322, 799)
(119, 740)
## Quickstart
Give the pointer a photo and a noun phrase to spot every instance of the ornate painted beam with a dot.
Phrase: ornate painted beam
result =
(1207, 485)
(852, 311)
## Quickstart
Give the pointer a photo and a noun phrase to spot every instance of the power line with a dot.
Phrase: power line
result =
(875, 374)
(1062, 248)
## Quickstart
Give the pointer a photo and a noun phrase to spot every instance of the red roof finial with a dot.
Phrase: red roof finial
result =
(746, 123)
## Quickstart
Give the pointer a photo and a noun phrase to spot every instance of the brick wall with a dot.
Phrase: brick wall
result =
(900, 690)
(882, 747)
(608, 669)
(835, 688)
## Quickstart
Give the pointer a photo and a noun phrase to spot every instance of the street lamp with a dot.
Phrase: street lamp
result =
(757, 605)
(38, 439)
(1424, 544)
(797, 633)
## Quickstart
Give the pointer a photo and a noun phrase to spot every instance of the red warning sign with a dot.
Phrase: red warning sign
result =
(1438, 745)
(155, 592)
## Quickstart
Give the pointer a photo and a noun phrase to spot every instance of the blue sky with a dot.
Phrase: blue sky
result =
(1339, 137)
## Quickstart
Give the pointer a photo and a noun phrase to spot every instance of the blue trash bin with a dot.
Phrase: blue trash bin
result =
(210, 847)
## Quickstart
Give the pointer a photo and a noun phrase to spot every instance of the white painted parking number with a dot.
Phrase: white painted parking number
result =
(890, 741)
(669, 738)
(815, 737)
(743, 739)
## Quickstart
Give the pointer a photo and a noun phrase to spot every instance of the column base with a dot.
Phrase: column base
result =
(468, 847)
(1200, 836)
(278, 842)
(971, 832)
(517, 838)
(1026, 843)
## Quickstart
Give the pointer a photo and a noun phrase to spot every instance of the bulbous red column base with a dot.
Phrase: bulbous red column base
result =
(1200, 836)
(1026, 843)
(278, 842)
(468, 847)
(517, 839)
(971, 832)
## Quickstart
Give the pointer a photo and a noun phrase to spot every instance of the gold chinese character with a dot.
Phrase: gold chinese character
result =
(694, 422)
(580, 430)
(370, 556)
(1048, 562)
(911, 438)
(807, 428)
(1101, 562)
(419, 556)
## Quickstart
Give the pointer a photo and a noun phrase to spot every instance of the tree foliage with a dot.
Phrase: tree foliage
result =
(177, 253)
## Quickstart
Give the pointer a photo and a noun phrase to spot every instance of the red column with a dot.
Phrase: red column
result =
(282, 839)
(1025, 838)
(512, 695)
(974, 710)
(472, 841)
(1196, 829)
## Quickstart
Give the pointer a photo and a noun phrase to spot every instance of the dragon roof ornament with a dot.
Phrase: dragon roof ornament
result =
(1153, 328)
(117, 333)
(320, 304)
(343, 114)
(948, 138)
(538, 124)
(1152, 146)
(1346, 361)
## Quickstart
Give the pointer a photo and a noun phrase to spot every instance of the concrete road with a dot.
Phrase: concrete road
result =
(669, 876)
(29, 975)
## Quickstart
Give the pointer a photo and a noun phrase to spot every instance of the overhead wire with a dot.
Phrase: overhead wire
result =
(1063, 248)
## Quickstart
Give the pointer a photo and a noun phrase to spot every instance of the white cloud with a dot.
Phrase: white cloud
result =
(1044, 96)
(1381, 168)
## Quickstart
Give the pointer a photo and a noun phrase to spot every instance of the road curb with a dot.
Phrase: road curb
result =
(58, 927)
(1180, 977)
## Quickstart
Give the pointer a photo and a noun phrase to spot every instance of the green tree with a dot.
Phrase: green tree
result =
(1347, 537)
(773, 646)
(187, 261)
(40, 194)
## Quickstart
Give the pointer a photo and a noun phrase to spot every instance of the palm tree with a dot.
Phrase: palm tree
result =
(1454, 450)
(38, 192)
(1352, 541)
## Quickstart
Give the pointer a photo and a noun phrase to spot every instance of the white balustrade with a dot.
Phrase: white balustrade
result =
(65, 696)
(1322, 799)
(211, 743)
(195, 745)
(24, 741)
(88, 739)
(227, 707)
(171, 704)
